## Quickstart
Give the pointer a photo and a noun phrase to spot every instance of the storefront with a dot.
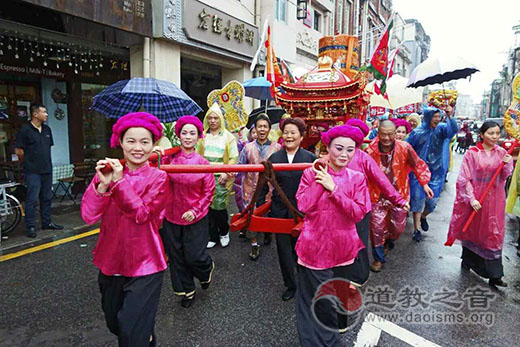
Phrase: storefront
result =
(51, 57)
(208, 45)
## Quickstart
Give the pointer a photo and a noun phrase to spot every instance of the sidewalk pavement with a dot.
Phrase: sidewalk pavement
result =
(66, 213)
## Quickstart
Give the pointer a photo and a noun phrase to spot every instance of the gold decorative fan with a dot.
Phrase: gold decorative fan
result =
(512, 115)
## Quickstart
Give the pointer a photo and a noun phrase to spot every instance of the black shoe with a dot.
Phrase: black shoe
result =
(417, 236)
(31, 232)
(187, 301)
(424, 224)
(268, 237)
(255, 252)
(288, 294)
(242, 234)
(497, 282)
(52, 226)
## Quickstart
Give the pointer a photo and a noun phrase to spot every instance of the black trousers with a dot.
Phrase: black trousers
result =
(218, 224)
(359, 270)
(287, 257)
(310, 332)
(38, 186)
(492, 269)
(189, 259)
(130, 306)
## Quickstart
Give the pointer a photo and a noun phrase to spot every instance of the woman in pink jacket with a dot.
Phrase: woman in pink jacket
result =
(333, 198)
(129, 253)
(185, 234)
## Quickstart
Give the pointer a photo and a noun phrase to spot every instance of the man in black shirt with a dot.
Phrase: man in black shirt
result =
(33, 147)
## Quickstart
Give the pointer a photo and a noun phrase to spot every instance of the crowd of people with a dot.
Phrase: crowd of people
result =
(358, 192)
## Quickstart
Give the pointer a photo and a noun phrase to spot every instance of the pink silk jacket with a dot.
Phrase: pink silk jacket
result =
(189, 191)
(329, 237)
(129, 243)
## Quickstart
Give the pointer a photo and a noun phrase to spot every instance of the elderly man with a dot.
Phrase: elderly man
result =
(397, 159)
(218, 146)
(428, 141)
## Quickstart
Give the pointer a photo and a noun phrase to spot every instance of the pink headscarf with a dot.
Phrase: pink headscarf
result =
(189, 120)
(349, 131)
(402, 123)
(358, 123)
(136, 120)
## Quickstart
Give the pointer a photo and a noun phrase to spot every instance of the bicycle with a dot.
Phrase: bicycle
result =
(11, 210)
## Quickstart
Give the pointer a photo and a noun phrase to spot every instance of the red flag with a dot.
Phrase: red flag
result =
(272, 70)
(379, 60)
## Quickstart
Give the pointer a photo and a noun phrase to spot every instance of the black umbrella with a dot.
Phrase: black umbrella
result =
(274, 113)
(439, 70)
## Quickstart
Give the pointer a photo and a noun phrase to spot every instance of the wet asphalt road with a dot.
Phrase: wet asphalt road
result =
(51, 298)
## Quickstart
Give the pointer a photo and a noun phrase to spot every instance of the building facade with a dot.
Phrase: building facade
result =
(199, 45)
(61, 54)
(373, 17)
(416, 41)
(402, 60)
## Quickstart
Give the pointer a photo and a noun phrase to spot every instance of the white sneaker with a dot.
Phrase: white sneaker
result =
(211, 244)
(224, 240)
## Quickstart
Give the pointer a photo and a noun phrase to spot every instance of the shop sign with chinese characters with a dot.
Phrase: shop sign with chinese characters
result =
(129, 15)
(213, 27)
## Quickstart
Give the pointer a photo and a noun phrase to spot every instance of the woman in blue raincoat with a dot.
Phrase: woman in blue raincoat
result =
(428, 140)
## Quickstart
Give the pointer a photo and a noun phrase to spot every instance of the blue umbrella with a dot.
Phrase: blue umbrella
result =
(258, 88)
(161, 98)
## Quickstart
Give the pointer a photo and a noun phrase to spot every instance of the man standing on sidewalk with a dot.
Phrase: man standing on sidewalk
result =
(33, 147)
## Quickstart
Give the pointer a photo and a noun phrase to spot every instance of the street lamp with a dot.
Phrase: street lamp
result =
(301, 9)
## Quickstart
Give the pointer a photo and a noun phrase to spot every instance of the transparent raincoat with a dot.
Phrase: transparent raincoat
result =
(485, 235)
(219, 149)
(429, 143)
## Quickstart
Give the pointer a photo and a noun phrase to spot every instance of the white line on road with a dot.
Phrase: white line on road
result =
(373, 325)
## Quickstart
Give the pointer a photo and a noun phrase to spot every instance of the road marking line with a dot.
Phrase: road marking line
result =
(47, 245)
(370, 333)
(367, 336)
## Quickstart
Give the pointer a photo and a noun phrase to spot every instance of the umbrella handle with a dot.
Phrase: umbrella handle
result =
(153, 157)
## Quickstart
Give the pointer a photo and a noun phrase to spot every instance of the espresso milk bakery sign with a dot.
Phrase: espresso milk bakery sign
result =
(213, 27)
(24, 69)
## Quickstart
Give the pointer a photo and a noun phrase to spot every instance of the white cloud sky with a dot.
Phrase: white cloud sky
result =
(478, 30)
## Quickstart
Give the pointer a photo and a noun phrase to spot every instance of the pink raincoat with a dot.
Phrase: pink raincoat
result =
(129, 243)
(189, 191)
(364, 163)
(485, 235)
(329, 237)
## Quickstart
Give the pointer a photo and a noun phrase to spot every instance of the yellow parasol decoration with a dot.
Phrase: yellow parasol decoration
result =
(231, 102)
